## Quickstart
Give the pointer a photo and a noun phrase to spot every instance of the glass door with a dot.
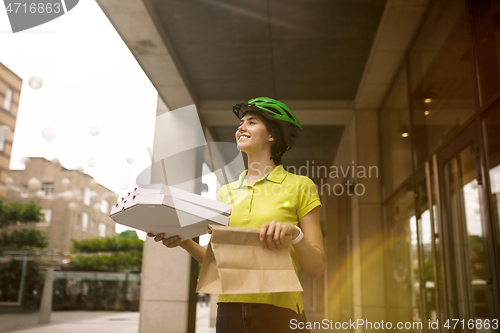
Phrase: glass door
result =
(465, 229)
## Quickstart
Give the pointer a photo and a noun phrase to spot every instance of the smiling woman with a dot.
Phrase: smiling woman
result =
(277, 202)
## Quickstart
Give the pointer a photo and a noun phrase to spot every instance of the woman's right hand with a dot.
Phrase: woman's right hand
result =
(170, 242)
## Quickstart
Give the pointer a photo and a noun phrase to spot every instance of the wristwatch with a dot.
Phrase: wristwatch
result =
(299, 237)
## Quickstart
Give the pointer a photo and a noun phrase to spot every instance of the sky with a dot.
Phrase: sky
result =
(90, 81)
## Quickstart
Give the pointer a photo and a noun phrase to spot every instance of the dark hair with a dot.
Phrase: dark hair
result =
(278, 147)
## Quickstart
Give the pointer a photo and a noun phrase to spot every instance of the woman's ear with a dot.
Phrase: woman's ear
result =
(271, 138)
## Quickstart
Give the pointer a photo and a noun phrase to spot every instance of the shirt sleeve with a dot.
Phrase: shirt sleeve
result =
(222, 194)
(308, 197)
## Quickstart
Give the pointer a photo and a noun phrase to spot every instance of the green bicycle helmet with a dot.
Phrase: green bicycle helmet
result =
(275, 111)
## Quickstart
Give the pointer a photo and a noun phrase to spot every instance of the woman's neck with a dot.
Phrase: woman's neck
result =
(259, 166)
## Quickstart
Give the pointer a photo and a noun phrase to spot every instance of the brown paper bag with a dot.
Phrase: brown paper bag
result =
(237, 262)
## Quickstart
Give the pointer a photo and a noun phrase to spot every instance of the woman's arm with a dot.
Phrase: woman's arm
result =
(194, 249)
(310, 251)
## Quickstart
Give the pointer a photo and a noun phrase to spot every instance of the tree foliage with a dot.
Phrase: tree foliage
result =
(13, 212)
(19, 239)
(109, 253)
(129, 234)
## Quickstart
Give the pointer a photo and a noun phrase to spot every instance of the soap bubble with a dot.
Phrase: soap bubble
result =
(6, 132)
(65, 182)
(9, 181)
(67, 195)
(92, 162)
(35, 82)
(124, 185)
(130, 160)
(34, 184)
(94, 131)
(48, 133)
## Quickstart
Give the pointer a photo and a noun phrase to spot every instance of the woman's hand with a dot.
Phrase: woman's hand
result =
(170, 242)
(276, 231)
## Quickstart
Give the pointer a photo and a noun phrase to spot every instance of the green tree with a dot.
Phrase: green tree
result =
(17, 240)
(13, 212)
(109, 253)
(129, 234)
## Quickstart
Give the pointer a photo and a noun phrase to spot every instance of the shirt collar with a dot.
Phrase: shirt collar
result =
(276, 176)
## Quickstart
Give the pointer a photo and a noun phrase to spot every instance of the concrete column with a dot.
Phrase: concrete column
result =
(46, 305)
(367, 225)
(168, 299)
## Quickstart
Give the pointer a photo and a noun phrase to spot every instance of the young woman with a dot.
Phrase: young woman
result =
(277, 202)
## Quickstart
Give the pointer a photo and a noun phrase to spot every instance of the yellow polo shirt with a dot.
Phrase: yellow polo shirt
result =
(280, 196)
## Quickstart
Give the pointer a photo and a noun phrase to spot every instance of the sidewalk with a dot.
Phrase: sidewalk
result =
(88, 321)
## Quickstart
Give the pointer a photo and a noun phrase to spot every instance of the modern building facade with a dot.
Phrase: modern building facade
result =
(10, 92)
(74, 204)
(400, 105)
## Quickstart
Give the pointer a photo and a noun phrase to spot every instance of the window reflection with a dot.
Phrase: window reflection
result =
(441, 80)
(402, 258)
(396, 143)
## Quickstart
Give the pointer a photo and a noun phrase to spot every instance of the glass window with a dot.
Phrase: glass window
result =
(24, 191)
(491, 124)
(404, 297)
(47, 215)
(78, 221)
(92, 226)
(486, 28)
(104, 206)
(87, 195)
(395, 135)
(48, 189)
(102, 230)
(7, 103)
(441, 80)
(85, 221)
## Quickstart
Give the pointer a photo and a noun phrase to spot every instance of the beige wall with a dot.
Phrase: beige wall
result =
(8, 80)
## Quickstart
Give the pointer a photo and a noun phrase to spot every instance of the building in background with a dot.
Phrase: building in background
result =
(10, 92)
(74, 204)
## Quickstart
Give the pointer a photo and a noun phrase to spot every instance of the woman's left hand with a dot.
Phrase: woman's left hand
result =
(276, 231)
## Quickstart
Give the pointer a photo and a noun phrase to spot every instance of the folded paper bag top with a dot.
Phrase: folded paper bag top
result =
(237, 262)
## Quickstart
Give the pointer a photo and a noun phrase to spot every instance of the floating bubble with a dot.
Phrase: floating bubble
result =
(130, 160)
(48, 133)
(124, 185)
(67, 195)
(65, 182)
(9, 181)
(80, 169)
(92, 183)
(94, 131)
(72, 205)
(55, 160)
(40, 194)
(35, 82)
(97, 207)
(25, 160)
(6, 132)
(92, 162)
(34, 184)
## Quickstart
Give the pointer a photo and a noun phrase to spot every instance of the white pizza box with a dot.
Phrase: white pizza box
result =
(169, 210)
